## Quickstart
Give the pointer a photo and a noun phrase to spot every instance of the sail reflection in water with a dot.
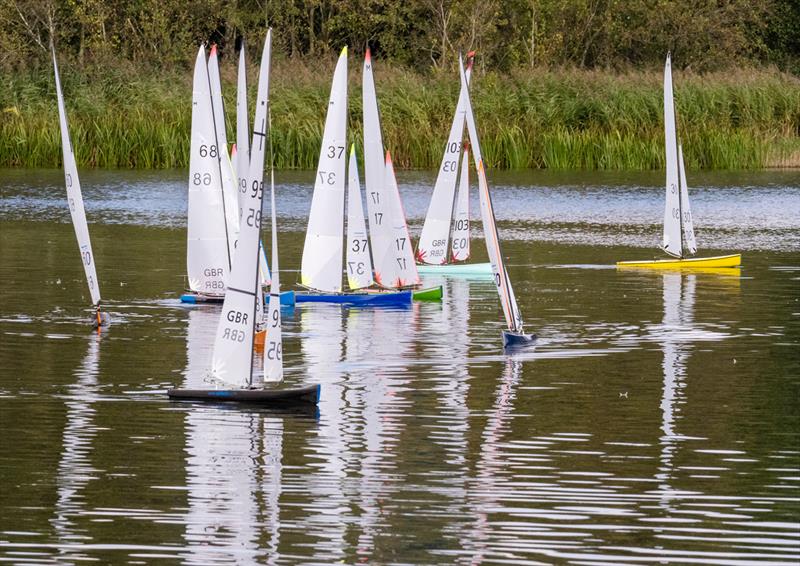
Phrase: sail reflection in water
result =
(75, 470)
(322, 349)
(375, 407)
(489, 490)
(679, 294)
(234, 468)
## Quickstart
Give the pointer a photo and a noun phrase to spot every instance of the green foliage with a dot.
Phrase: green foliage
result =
(559, 120)
(424, 34)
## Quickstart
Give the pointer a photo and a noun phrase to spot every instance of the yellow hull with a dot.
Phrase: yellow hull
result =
(722, 261)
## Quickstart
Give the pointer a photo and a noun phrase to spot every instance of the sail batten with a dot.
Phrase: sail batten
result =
(74, 196)
(321, 265)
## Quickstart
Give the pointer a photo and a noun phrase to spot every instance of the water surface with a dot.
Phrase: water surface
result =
(655, 421)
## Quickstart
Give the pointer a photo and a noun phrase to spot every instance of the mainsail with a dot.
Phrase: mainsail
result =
(233, 348)
(74, 196)
(207, 254)
(321, 265)
(230, 192)
(672, 241)
(503, 283)
(432, 246)
(391, 248)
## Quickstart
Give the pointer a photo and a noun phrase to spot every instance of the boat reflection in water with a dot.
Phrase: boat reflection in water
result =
(234, 466)
(75, 470)
(677, 333)
(490, 490)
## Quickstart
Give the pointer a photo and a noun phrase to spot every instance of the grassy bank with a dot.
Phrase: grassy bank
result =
(543, 119)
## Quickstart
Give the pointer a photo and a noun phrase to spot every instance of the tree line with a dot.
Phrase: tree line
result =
(425, 35)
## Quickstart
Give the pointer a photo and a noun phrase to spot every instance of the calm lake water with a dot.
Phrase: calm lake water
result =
(657, 420)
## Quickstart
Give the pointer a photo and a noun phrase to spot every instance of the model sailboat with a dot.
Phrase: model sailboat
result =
(445, 239)
(392, 253)
(514, 336)
(322, 263)
(209, 249)
(678, 240)
(234, 351)
(75, 200)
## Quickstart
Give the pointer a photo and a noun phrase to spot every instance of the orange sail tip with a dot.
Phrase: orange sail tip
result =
(367, 55)
(388, 157)
(213, 49)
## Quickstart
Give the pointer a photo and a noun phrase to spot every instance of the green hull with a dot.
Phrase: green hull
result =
(430, 294)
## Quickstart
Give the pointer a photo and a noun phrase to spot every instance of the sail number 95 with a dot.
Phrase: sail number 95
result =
(254, 217)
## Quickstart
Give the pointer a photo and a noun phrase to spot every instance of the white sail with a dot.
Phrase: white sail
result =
(503, 283)
(233, 347)
(230, 184)
(399, 255)
(273, 347)
(672, 208)
(242, 161)
(686, 211)
(74, 196)
(359, 263)
(321, 266)
(432, 246)
(459, 246)
(207, 254)
(378, 212)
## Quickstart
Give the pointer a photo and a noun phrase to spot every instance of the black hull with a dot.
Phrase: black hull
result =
(513, 340)
(308, 394)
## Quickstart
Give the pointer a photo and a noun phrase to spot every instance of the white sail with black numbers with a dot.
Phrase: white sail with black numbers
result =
(672, 241)
(433, 240)
(687, 224)
(358, 262)
(233, 347)
(273, 347)
(321, 265)
(74, 196)
(230, 184)
(460, 246)
(399, 254)
(378, 211)
(207, 254)
(507, 299)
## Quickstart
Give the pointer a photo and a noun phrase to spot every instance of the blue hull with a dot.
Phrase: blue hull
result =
(393, 299)
(517, 339)
(287, 298)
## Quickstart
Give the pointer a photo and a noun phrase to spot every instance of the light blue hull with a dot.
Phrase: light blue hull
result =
(474, 270)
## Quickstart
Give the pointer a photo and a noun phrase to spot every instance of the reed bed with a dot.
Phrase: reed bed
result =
(541, 119)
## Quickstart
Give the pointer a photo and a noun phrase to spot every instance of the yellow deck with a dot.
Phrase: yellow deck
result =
(721, 261)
